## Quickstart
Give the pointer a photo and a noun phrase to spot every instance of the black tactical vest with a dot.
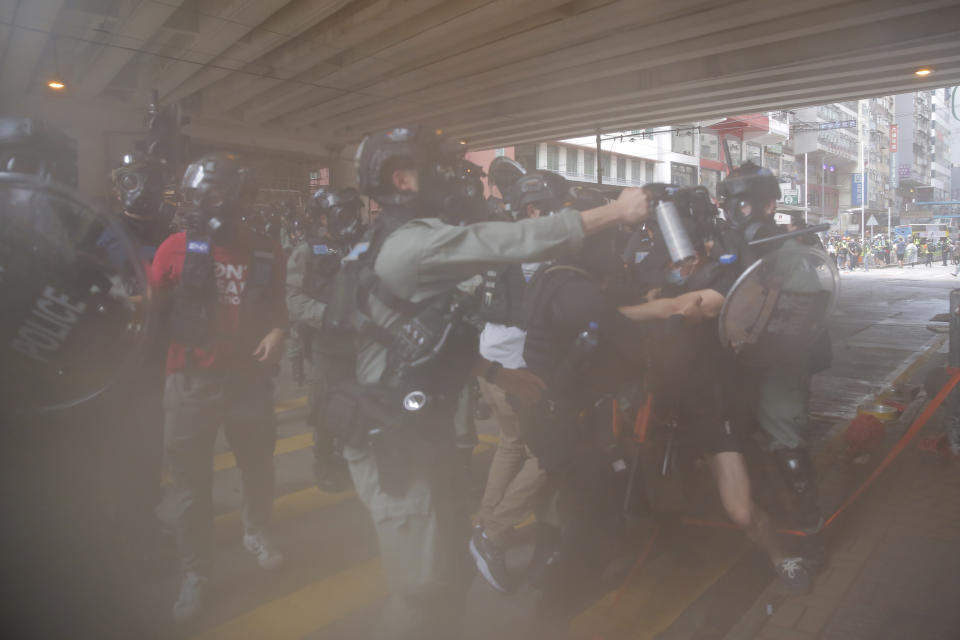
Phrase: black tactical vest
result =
(195, 299)
(546, 345)
(502, 296)
(323, 263)
(430, 346)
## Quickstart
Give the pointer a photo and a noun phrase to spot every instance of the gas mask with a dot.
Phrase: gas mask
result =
(139, 187)
(212, 191)
(452, 189)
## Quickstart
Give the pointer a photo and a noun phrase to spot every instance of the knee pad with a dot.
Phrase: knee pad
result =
(797, 469)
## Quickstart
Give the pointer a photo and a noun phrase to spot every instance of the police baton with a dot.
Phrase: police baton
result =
(792, 234)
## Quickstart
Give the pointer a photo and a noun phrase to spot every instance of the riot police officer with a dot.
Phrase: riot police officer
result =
(334, 227)
(69, 335)
(782, 391)
(136, 411)
(693, 377)
(398, 289)
(227, 323)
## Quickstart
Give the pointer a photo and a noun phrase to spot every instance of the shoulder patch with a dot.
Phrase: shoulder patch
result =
(197, 246)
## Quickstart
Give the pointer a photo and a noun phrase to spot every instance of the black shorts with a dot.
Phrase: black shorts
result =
(709, 431)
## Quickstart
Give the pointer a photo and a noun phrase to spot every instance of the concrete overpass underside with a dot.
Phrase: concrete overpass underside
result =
(306, 76)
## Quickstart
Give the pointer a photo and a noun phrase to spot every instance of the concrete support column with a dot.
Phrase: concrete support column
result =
(92, 166)
(343, 171)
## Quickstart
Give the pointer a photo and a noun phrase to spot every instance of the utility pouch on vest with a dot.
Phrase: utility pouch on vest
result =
(355, 410)
(366, 417)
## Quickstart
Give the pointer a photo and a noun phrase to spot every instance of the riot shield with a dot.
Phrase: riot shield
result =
(779, 306)
(69, 326)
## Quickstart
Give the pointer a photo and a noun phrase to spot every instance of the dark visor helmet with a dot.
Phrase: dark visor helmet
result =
(31, 147)
(748, 184)
(342, 210)
(446, 181)
(546, 190)
(215, 186)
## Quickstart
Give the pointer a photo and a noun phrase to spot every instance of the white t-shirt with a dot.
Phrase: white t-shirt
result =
(503, 344)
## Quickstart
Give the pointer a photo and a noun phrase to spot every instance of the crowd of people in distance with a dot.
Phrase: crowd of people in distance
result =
(880, 251)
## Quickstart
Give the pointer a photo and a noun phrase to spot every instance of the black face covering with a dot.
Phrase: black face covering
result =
(453, 190)
(140, 190)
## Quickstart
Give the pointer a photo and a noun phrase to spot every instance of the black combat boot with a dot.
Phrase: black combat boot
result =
(797, 469)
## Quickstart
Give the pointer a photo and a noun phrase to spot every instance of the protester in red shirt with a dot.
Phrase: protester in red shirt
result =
(224, 285)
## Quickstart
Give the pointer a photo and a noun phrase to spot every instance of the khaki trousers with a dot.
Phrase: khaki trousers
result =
(515, 476)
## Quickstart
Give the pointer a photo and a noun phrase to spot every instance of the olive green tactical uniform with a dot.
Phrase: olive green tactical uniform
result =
(423, 532)
(783, 402)
(331, 359)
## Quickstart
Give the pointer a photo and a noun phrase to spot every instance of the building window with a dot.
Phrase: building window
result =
(636, 171)
(589, 163)
(573, 161)
(553, 157)
(772, 162)
(709, 146)
(682, 142)
(527, 156)
(607, 168)
(499, 152)
(736, 152)
(753, 154)
(684, 175)
(650, 172)
(711, 179)
(621, 169)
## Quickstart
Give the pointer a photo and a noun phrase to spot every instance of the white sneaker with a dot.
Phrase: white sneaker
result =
(260, 545)
(193, 595)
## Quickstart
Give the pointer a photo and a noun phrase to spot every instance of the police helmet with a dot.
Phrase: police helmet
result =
(546, 190)
(214, 187)
(748, 184)
(31, 147)
(504, 173)
(446, 180)
(342, 211)
(139, 186)
(68, 329)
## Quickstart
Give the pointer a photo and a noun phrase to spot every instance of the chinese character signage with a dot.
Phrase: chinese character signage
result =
(893, 138)
(856, 190)
(840, 124)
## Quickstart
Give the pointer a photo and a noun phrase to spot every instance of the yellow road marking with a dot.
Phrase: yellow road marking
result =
(293, 505)
(296, 403)
(661, 591)
(308, 609)
(319, 603)
(227, 460)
